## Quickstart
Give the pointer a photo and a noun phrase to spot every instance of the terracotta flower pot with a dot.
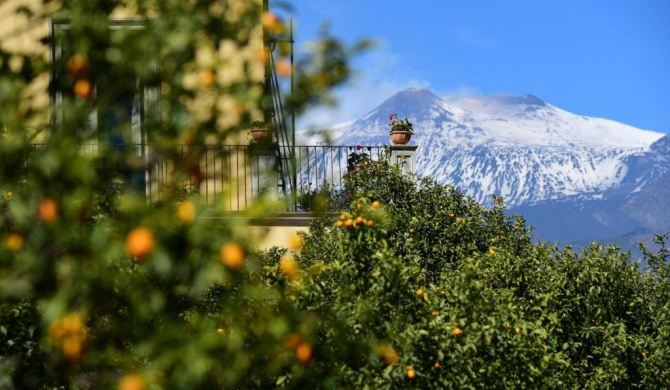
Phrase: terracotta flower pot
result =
(260, 135)
(400, 137)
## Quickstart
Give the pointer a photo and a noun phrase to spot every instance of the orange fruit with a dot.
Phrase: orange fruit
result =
(186, 212)
(82, 88)
(219, 331)
(295, 243)
(389, 355)
(72, 347)
(411, 373)
(14, 242)
(434, 313)
(284, 68)
(371, 222)
(359, 219)
(76, 66)
(131, 382)
(140, 242)
(349, 223)
(376, 204)
(271, 22)
(263, 55)
(289, 267)
(232, 255)
(340, 223)
(436, 365)
(48, 210)
(457, 331)
(419, 292)
(303, 352)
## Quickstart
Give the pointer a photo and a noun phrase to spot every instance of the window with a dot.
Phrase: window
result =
(117, 95)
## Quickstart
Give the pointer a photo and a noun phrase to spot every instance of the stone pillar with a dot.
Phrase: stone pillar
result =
(404, 156)
(264, 170)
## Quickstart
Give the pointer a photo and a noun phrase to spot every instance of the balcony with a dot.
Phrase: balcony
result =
(234, 176)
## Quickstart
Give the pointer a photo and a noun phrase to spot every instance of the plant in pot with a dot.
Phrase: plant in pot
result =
(401, 130)
(261, 131)
(358, 158)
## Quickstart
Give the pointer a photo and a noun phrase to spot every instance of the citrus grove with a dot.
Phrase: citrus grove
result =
(412, 285)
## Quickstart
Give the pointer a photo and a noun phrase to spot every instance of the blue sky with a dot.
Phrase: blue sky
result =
(603, 58)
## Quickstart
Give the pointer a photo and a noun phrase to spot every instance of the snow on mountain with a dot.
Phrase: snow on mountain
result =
(519, 147)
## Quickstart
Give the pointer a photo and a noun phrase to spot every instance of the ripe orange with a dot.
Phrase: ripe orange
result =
(303, 353)
(232, 255)
(295, 243)
(284, 68)
(457, 331)
(72, 348)
(434, 313)
(131, 382)
(140, 242)
(82, 88)
(410, 372)
(436, 365)
(69, 334)
(419, 292)
(186, 212)
(370, 222)
(271, 22)
(14, 242)
(340, 223)
(359, 219)
(349, 223)
(387, 353)
(376, 204)
(48, 210)
(76, 66)
(289, 267)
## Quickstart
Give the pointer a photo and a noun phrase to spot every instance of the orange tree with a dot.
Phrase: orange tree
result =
(436, 291)
(415, 285)
(98, 287)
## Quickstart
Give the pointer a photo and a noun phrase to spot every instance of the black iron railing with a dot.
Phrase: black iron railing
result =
(231, 176)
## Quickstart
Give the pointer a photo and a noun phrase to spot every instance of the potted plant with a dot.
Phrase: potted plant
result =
(261, 131)
(357, 158)
(400, 130)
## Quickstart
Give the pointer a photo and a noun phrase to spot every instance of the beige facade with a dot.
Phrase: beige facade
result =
(232, 179)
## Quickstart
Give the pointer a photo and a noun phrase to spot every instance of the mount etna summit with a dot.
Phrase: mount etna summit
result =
(573, 177)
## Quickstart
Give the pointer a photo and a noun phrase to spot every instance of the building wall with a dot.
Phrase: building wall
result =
(232, 183)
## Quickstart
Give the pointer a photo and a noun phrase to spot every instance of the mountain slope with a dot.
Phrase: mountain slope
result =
(522, 148)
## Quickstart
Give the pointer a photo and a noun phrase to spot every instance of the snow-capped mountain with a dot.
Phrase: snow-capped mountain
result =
(522, 148)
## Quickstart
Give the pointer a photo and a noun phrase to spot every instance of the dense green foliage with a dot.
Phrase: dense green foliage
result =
(413, 286)
(457, 296)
